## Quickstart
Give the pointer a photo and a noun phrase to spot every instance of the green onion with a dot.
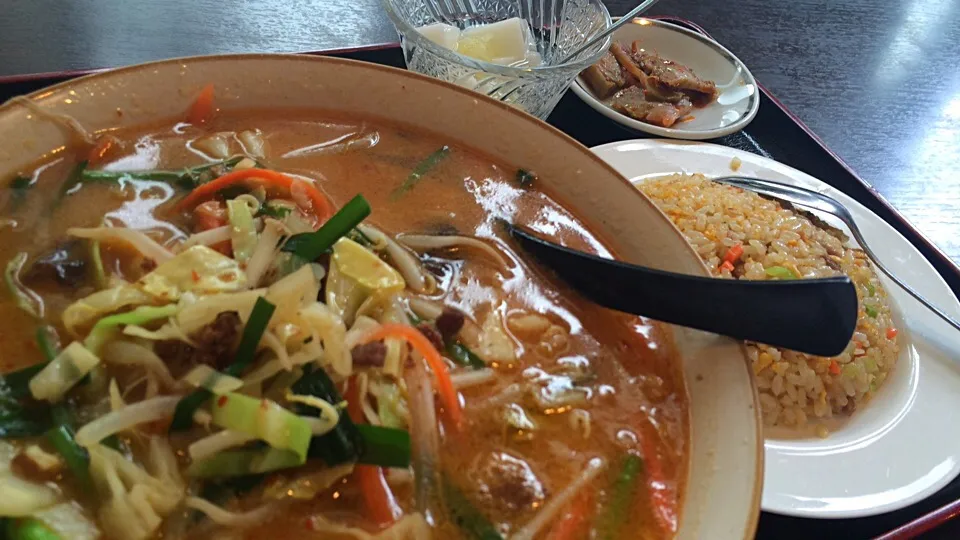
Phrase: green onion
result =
(525, 178)
(312, 245)
(187, 178)
(17, 421)
(621, 494)
(244, 462)
(139, 316)
(28, 529)
(61, 435)
(780, 272)
(460, 354)
(871, 290)
(246, 352)
(265, 420)
(76, 176)
(383, 446)
(343, 442)
(871, 311)
(421, 169)
(466, 516)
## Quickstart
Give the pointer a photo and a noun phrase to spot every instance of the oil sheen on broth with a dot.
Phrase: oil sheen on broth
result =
(573, 387)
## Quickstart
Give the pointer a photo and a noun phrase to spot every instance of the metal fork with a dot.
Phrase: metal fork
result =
(817, 201)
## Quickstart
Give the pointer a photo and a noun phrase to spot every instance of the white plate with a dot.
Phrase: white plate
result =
(903, 445)
(738, 99)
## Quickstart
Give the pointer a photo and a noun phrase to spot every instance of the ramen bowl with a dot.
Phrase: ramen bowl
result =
(720, 474)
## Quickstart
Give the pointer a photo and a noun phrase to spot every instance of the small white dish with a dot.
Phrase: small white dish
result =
(900, 447)
(738, 99)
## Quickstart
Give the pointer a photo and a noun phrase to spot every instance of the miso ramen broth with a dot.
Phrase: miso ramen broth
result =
(227, 369)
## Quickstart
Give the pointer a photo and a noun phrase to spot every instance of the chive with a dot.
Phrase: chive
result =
(621, 495)
(188, 177)
(383, 446)
(343, 442)
(45, 342)
(76, 176)
(421, 169)
(76, 458)
(20, 183)
(462, 355)
(525, 178)
(871, 311)
(28, 529)
(466, 516)
(312, 245)
(246, 352)
(780, 272)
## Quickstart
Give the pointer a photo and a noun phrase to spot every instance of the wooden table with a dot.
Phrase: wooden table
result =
(878, 80)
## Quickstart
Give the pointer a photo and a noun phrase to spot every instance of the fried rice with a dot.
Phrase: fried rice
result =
(741, 235)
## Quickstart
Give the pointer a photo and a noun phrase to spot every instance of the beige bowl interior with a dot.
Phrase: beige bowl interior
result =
(725, 475)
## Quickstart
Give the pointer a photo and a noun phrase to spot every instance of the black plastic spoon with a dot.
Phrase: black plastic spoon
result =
(814, 316)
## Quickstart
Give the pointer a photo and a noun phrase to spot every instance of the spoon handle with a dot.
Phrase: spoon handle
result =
(640, 9)
(815, 316)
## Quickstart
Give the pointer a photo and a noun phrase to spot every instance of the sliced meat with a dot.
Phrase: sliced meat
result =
(450, 322)
(630, 67)
(674, 76)
(372, 354)
(605, 77)
(431, 334)
(633, 103)
(215, 344)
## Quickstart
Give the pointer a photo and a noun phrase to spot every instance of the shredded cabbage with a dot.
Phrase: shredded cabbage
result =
(328, 328)
(204, 376)
(194, 316)
(83, 312)
(364, 267)
(67, 369)
(198, 269)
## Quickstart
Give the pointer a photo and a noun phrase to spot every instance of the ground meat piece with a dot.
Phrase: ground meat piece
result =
(450, 322)
(432, 334)
(507, 483)
(371, 354)
(215, 345)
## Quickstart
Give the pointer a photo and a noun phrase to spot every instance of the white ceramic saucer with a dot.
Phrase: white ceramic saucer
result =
(736, 104)
(903, 445)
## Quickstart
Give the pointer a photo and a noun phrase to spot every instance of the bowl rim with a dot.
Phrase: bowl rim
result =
(407, 31)
(586, 95)
(752, 519)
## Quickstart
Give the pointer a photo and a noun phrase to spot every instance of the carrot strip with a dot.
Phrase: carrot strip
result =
(201, 110)
(891, 332)
(573, 520)
(448, 394)
(733, 253)
(662, 497)
(726, 265)
(320, 204)
(378, 499)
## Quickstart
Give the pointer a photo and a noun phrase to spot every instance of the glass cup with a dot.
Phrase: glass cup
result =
(558, 27)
